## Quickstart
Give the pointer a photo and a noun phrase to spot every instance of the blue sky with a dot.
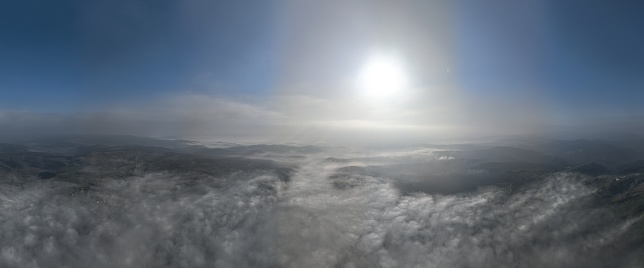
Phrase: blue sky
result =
(576, 59)
(86, 52)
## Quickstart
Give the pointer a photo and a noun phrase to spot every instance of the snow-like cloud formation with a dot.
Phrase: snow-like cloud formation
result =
(151, 221)
(252, 219)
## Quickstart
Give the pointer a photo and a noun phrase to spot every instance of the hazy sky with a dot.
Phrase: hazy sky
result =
(288, 69)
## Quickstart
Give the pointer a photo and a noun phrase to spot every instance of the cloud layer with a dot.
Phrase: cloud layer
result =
(421, 115)
(252, 219)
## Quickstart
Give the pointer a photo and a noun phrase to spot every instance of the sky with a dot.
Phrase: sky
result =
(289, 70)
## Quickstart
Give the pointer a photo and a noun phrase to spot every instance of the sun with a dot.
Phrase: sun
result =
(382, 76)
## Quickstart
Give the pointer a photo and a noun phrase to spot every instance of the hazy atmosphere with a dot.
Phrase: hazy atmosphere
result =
(321, 133)
(321, 71)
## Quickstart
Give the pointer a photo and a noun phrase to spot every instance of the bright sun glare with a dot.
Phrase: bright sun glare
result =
(382, 77)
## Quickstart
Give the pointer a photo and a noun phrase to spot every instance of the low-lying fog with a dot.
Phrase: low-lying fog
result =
(462, 206)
